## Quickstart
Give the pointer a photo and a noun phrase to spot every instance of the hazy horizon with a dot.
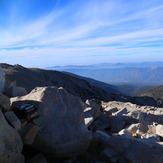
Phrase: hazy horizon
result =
(139, 64)
(110, 63)
(39, 33)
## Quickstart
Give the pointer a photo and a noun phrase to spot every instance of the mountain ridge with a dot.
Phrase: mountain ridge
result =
(155, 92)
(30, 78)
(146, 76)
(113, 65)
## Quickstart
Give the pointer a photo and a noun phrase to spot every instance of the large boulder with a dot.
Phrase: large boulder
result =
(62, 132)
(137, 150)
(10, 143)
(2, 80)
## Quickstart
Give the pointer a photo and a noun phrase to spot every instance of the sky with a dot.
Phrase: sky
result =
(43, 33)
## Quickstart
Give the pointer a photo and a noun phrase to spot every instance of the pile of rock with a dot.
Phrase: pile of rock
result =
(124, 132)
(11, 144)
(58, 132)
(68, 130)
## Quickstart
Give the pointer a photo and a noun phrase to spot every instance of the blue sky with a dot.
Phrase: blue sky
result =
(42, 33)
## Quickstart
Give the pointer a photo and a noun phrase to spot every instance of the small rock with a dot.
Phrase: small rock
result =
(150, 136)
(146, 118)
(88, 120)
(137, 128)
(125, 133)
(96, 125)
(121, 112)
(99, 141)
(70, 160)
(117, 123)
(110, 111)
(29, 133)
(144, 151)
(139, 133)
(23, 122)
(88, 117)
(12, 158)
(132, 128)
(152, 128)
(39, 158)
(13, 119)
(109, 155)
(15, 91)
(137, 150)
(159, 130)
(4, 103)
(119, 143)
(95, 111)
(104, 122)
(10, 143)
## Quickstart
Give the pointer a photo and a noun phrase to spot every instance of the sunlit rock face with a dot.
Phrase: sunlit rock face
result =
(62, 131)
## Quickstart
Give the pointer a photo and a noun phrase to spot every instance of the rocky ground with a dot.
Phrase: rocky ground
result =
(155, 92)
(29, 78)
(64, 129)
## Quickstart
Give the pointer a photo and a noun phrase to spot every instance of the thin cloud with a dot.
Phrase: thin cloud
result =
(87, 29)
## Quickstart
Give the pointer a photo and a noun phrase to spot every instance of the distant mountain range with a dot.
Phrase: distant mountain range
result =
(145, 73)
(111, 65)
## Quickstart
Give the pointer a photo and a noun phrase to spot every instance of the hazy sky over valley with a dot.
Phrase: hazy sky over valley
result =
(42, 33)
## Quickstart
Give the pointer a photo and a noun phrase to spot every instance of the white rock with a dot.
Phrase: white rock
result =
(110, 111)
(159, 130)
(120, 112)
(150, 136)
(88, 121)
(125, 133)
(137, 129)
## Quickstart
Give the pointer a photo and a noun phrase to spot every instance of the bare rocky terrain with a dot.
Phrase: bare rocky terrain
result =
(34, 77)
(50, 117)
(29, 78)
(156, 93)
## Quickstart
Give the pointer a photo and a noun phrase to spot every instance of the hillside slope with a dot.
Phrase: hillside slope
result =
(156, 93)
(33, 77)
(150, 75)
(107, 87)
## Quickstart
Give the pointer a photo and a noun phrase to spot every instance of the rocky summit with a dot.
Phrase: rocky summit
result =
(51, 117)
